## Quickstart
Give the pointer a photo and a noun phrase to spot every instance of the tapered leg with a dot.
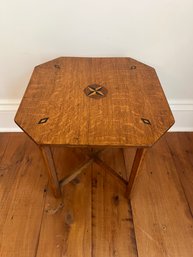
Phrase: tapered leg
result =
(135, 168)
(51, 170)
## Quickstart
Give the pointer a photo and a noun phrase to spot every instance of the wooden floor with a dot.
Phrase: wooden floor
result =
(94, 218)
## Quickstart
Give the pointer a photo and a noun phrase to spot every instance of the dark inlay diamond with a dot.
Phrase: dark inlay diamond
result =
(57, 66)
(95, 91)
(146, 121)
(43, 120)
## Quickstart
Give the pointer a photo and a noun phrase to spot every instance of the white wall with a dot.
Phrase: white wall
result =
(159, 33)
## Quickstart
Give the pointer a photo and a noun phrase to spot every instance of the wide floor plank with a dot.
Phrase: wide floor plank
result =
(181, 148)
(66, 224)
(112, 225)
(162, 220)
(21, 198)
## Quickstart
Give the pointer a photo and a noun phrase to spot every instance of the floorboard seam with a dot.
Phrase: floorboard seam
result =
(43, 208)
(133, 228)
(179, 178)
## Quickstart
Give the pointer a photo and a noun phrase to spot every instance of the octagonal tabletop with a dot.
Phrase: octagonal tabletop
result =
(94, 102)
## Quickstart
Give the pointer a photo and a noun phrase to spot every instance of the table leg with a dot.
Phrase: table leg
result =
(139, 155)
(51, 170)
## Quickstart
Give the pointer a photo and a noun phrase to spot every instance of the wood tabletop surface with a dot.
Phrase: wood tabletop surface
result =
(76, 101)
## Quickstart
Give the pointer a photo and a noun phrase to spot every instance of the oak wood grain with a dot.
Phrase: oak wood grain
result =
(55, 109)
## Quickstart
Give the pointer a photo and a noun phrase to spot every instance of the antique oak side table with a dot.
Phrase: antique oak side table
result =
(94, 103)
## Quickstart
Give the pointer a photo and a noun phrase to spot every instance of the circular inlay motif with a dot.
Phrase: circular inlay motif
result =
(95, 91)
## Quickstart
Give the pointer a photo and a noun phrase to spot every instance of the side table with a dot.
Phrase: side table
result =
(93, 103)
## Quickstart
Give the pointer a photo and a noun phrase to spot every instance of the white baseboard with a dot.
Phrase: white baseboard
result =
(183, 114)
(8, 108)
(182, 111)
